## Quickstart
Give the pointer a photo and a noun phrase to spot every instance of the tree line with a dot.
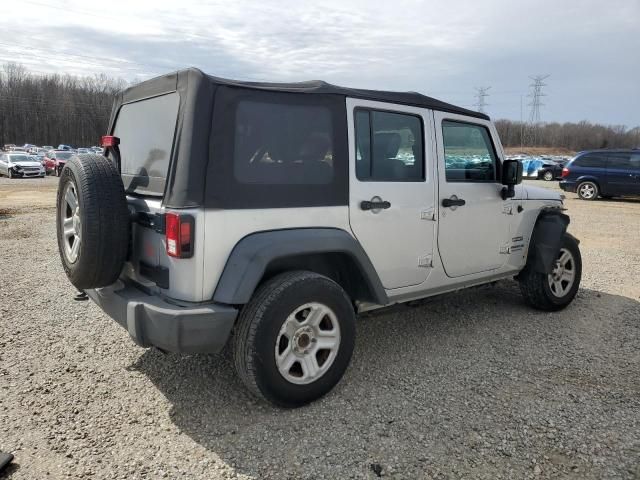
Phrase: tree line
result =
(53, 109)
(571, 136)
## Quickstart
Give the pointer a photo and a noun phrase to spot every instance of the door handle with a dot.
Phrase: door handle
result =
(374, 205)
(453, 202)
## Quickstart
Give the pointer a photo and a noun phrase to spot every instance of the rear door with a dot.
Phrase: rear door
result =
(473, 230)
(623, 173)
(392, 189)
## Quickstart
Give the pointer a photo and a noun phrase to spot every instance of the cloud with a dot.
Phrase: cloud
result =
(443, 49)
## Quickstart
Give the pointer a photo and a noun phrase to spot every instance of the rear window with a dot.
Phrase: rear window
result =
(591, 160)
(146, 129)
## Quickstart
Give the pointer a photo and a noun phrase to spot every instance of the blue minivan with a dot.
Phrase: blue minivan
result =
(604, 173)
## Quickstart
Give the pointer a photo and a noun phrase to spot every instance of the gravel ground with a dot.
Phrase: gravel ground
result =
(469, 385)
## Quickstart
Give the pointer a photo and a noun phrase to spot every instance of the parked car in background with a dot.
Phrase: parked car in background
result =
(604, 173)
(81, 151)
(55, 160)
(20, 165)
(98, 150)
(550, 170)
(46, 148)
(8, 146)
(64, 147)
(539, 168)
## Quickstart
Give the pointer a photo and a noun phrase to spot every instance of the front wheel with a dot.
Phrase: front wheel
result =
(294, 339)
(555, 290)
(548, 176)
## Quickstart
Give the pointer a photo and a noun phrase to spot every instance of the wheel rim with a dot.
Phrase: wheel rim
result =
(71, 222)
(548, 176)
(587, 190)
(563, 275)
(307, 343)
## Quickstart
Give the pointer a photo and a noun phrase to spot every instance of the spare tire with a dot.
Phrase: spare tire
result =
(92, 221)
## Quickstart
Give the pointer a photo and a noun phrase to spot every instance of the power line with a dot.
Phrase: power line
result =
(481, 95)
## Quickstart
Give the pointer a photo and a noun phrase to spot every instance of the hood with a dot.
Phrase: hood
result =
(540, 193)
(27, 163)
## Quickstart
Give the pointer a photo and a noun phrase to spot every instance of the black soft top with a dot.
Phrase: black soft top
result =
(197, 160)
(309, 87)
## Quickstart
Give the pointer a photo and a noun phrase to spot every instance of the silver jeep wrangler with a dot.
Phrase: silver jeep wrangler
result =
(270, 215)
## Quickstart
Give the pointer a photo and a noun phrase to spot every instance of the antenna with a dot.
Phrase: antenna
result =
(481, 95)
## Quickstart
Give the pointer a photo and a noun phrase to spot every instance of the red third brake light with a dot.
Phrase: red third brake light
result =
(179, 235)
(565, 172)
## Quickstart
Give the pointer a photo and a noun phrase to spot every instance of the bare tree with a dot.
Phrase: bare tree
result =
(53, 109)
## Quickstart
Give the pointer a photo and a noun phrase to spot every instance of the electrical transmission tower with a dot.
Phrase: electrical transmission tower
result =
(481, 95)
(536, 102)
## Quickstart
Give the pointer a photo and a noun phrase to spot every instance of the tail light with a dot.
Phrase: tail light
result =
(179, 235)
(565, 172)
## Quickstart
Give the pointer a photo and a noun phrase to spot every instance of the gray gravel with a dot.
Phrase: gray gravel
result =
(472, 384)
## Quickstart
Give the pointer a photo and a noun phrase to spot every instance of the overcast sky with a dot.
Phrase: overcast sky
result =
(445, 49)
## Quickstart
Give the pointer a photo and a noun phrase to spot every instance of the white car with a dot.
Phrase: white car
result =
(20, 165)
(270, 215)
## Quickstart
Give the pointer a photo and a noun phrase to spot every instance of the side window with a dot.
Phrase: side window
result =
(277, 144)
(389, 146)
(635, 160)
(469, 155)
(619, 161)
(593, 160)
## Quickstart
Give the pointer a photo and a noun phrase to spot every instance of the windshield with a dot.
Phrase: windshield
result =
(64, 155)
(19, 158)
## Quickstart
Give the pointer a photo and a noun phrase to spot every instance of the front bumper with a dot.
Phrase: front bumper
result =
(568, 186)
(152, 321)
(27, 173)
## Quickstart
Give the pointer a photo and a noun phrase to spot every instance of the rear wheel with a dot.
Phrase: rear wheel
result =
(555, 290)
(548, 176)
(587, 191)
(294, 339)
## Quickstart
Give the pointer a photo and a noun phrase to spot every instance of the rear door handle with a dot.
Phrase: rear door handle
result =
(374, 205)
(453, 202)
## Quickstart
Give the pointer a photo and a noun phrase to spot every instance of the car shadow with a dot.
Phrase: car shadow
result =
(425, 383)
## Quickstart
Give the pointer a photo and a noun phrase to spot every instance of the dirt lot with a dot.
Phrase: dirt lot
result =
(472, 384)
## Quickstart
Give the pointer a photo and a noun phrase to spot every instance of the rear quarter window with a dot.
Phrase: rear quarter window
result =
(591, 160)
(146, 129)
(277, 150)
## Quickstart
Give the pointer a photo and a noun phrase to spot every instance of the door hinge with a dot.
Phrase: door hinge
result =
(425, 261)
(429, 214)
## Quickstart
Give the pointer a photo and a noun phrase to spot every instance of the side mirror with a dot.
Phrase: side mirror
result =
(511, 176)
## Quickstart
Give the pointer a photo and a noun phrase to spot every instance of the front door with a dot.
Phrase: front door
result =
(392, 189)
(473, 230)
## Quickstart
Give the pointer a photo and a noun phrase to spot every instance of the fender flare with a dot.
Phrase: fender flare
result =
(546, 239)
(252, 255)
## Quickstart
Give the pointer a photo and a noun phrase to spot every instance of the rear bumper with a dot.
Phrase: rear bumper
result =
(568, 186)
(151, 321)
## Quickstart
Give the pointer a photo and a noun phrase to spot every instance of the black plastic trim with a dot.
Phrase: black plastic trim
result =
(252, 255)
(157, 274)
(546, 240)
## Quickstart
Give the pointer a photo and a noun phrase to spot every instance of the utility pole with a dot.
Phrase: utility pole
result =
(481, 95)
(536, 102)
